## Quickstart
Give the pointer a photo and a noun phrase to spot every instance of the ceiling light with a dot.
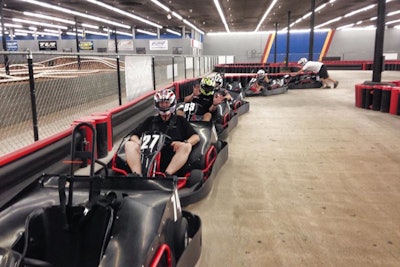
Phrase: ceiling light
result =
(328, 22)
(191, 25)
(169, 16)
(221, 14)
(13, 25)
(392, 22)
(39, 23)
(266, 14)
(176, 15)
(174, 32)
(393, 13)
(161, 5)
(89, 26)
(146, 32)
(75, 13)
(359, 10)
(119, 11)
(48, 17)
(124, 33)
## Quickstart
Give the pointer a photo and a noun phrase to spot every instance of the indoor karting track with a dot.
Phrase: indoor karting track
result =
(311, 180)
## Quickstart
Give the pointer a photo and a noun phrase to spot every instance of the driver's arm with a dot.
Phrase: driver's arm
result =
(193, 140)
(188, 98)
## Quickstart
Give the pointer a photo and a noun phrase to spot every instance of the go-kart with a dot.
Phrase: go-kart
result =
(206, 158)
(275, 86)
(305, 81)
(237, 104)
(224, 117)
(70, 220)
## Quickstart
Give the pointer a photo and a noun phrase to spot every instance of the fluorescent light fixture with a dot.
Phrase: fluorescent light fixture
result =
(119, 11)
(328, 22)
(221, 15)
(89, 26)
(161, 5)
(393, 13)
(96, 33)
(34, 28)
(345, 26)
(10, 25)
(40, 16)
(75, 13)
(320, 7)
(39, 23)
(52, 31)
(146, 32)
(176, 15)
(359, 10)
(174, 32)
(35, 32)
(191, 25)
(124, 33)
(265, 15)
(392, 22)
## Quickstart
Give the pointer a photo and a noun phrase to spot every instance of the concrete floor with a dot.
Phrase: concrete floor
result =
(311, 180)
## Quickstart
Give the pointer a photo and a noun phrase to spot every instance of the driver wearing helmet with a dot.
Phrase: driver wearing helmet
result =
(317, 67)
(204, 95)
(262, 82)
(219, 87)
(183, 136)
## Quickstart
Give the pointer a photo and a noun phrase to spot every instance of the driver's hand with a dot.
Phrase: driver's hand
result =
(196, 91)
(177, 144)
(218, 98)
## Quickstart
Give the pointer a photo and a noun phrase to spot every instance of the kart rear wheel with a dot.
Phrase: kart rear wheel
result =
(181, 237)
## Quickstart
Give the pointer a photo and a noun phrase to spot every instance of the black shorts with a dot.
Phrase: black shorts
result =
(323, 72)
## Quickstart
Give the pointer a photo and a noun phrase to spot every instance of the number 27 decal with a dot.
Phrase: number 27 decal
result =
(149, 141)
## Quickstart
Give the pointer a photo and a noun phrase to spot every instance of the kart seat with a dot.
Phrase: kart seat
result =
(197, 158)
(48, 239)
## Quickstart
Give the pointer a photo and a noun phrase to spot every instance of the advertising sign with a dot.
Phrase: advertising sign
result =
(12, 46)
(86, 45)
(158, 44)
(47, 45)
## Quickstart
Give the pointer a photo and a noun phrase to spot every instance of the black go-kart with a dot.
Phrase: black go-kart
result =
(304, 81)
(237, 104)
(205, 160)
(274, 87)
(71, 220)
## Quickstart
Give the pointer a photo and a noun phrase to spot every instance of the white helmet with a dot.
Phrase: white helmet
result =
(260, 74)
(219, 81)
(165, 95)
(302, 61)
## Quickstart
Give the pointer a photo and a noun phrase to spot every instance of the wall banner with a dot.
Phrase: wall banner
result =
(47, 45)
(158, 44)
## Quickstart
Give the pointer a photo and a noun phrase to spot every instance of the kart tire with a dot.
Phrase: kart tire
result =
(196, 177)
(181, 237)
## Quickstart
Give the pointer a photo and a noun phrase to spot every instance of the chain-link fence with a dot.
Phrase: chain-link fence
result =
(43, 93)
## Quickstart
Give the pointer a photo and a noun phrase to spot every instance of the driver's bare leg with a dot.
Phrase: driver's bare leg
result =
(207, 116)
(132, 151)
(179, 159)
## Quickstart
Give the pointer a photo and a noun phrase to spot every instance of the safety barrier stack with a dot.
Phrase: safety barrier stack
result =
(382, 97)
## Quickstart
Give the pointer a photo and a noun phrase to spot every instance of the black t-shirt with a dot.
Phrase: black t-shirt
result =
(180, 130)
(204, 103)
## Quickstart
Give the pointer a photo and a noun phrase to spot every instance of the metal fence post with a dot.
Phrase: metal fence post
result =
(33, 97)
(119, 82)
(153, 70)
(173, 69)
(184, 65)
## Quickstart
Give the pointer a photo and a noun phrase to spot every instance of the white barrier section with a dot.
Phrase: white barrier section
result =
(138, 76)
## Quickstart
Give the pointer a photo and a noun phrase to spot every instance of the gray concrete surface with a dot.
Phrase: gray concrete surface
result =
(311, 180)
